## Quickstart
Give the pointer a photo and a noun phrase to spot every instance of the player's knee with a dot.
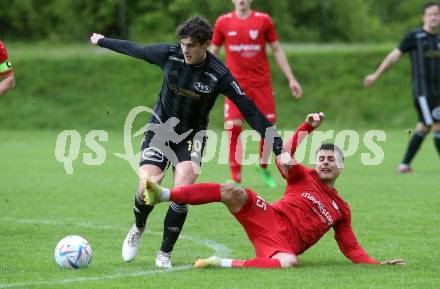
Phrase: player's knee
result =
(436, 127)
(422, 129)
(232, 195)
(289, 262)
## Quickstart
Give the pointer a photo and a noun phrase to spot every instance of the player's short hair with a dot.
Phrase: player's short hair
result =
(197, 28)
(429, 4)
(330, 147)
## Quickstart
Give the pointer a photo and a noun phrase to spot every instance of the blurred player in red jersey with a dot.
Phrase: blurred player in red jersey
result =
(7, 80)
(282, 231)
(245, 33)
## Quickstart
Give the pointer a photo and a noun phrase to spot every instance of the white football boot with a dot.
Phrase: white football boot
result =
(163, 260)
(131, 243)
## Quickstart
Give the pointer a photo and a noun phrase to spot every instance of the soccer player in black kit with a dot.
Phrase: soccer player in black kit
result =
(423, 45)
(193, 78)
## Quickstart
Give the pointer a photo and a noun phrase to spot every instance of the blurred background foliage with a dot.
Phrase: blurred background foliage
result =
(315, 21)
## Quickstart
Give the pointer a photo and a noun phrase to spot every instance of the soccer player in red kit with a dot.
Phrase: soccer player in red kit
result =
(282, 231)
(7, 80)
(245, 33)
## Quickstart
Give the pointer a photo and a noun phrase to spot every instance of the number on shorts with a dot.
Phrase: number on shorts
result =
(197, 145)
(189, 145)
(261, 203)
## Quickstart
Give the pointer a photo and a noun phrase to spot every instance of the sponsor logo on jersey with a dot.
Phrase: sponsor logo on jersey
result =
(436, 113)
(253, 34)
(232, 33)
(174, 58)
(211, 75)
(201, 87)
(183, 92)
(245, 47)
(322, 210)
(152, 154)
(237, 88)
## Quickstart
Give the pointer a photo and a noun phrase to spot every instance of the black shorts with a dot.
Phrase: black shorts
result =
(428, 109)
(162, 153)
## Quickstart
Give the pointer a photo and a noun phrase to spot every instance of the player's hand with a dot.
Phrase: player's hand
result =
(285, 162)
(369, 80)
(95, 38)
(295, 88)
(315, 119)
(393, 262)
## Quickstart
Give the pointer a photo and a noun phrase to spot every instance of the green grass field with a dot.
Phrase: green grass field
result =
(393, 216)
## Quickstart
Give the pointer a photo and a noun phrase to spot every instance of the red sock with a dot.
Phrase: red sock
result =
(196, 194)
(263, 160)
(257, 263)
(235, 153)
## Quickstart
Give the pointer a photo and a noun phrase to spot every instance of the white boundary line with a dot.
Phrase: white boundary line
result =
(219, 250)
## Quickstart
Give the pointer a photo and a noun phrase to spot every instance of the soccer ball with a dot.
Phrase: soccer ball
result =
(73, 252)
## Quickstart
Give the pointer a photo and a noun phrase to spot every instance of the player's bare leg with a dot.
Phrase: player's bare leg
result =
(279, 260)
(133, 239)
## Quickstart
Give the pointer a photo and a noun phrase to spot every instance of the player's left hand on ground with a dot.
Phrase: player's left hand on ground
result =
(285, 162)
(393, 262)
(296, 88)
(315, 119)
(95, 38)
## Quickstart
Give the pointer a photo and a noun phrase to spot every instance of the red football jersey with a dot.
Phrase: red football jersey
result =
(311, 208)
(245, 45)
(5, 64)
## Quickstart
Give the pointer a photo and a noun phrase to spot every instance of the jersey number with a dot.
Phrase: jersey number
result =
(261, 203)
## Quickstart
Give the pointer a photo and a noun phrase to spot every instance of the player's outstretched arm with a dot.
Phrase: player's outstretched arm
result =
(389, 60)
(312, 121)
(393, 262)
(95, 38)
(154, 54)
(282, 62)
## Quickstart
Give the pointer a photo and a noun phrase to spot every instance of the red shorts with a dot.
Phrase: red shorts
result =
(263, 98)
(264, 227)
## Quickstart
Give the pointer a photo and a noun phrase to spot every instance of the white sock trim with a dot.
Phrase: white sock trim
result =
(164, 195)
(226, 263)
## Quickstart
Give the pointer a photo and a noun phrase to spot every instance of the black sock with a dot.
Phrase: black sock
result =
(141, 212)
(437, 141)
(173, 224)
(413, 146)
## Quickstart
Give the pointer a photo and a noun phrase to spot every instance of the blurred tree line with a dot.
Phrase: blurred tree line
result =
(152, 21)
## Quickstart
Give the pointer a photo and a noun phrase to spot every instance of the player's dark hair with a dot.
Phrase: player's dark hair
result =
(330, 147)
(197, 28)
(429, 4)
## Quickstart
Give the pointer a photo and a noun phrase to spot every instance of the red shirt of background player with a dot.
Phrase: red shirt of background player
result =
(245, 44)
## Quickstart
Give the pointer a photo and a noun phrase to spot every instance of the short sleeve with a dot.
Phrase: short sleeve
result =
(408, 43)
(218, 37)
(270, 33)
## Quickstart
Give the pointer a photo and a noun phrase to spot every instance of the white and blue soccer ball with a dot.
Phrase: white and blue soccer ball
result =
(73, 252)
